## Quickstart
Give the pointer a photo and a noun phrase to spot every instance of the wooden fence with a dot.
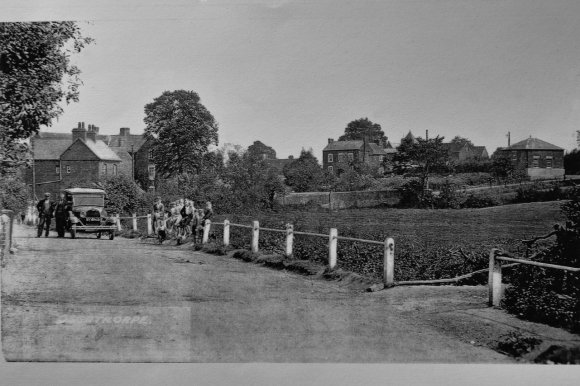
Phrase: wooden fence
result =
(496, 257)
(333, 238)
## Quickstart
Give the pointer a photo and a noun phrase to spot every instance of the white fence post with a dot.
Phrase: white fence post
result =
(134, 221)
(255, 236)
(149, 224)
(389, 263)
(494, 279)
(226, 233)
(206, 227)
(118, 221)
(289, 239)
(332, 247)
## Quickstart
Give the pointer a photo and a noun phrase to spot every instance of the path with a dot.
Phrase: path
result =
(126, 300)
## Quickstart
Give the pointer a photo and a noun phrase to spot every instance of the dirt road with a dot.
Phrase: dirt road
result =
(127, 300)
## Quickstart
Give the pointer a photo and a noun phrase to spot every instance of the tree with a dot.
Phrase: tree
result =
(13, 194)
(572, 162)
(182, 129)
(421, 157)
(461, 141)
(260, 149)
(502, 166)
(304, 174)
(358, 129)
(36, 75)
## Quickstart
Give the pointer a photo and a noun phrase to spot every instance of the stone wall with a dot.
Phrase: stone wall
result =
(343, 200)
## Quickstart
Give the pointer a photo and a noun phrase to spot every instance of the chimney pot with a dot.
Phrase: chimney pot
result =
(330, 140)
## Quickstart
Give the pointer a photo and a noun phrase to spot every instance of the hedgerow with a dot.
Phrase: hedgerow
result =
(549, 295)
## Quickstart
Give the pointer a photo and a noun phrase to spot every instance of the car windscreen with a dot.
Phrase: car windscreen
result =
(89, 200)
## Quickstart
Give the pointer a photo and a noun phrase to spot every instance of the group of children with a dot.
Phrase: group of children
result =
(183, 216)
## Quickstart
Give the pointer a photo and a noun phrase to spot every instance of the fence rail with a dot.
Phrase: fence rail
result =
(496, 256)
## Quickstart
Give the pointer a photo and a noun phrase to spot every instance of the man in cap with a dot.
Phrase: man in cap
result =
(45, 209)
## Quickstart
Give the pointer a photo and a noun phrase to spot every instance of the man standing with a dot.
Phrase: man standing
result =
(45, 209)
(158, 208)
(61, 213)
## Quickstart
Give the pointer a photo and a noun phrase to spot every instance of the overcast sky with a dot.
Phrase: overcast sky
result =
(293, 73)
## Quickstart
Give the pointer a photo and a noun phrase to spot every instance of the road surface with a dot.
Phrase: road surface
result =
(129, 300)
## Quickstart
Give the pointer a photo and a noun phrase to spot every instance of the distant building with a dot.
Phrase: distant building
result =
(338, 154)
(62, 159)
(538, 158)
(465, 152)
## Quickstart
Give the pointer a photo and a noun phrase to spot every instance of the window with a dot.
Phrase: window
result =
(536, 161)
(331, 158)
(514, 156)
(105, 169)
(114, 170)
(67, 169)
(330, 169)
(57, 170)
(150, 154)
(549, 162)
(340, 157)
(350, 157)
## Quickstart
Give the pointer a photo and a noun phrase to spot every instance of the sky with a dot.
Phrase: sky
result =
(293, 73)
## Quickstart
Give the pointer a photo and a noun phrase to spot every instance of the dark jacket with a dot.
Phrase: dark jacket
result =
(61, 209)
(41, 209)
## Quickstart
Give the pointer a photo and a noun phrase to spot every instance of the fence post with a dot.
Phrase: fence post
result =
(389, 263)
(149, 224)
(289, 239)
(226, 233)
(255, 236)
(332, 247)
(494, 279)
(118, 221)
(134, 221)
(7, 218)
(206, 227)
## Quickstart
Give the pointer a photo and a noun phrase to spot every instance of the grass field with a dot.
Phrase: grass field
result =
(463, 226)
(430, 244)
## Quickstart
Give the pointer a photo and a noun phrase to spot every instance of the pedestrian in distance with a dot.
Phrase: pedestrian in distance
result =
(45, 209)
(161, 228)
(158, 208)
(196, 226)
(207, 213)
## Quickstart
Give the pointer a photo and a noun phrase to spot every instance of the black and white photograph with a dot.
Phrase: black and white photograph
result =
(293, 183)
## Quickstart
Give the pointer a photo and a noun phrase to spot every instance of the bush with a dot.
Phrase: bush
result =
(551, 296)
(13, 195)
(517, 344)
(480, 201)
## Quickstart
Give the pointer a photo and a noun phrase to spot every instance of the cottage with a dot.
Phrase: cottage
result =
(60, 159)
(465, 152)
(339, 154)
(540, 159)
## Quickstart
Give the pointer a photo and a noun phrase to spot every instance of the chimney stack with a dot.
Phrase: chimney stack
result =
(91, 134)
(79, 132)
(124, 131)
(330, 140)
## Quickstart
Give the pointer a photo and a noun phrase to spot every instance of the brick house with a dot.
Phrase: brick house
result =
(87, 159)
(338, 154)
(538, 158)
(88, 155)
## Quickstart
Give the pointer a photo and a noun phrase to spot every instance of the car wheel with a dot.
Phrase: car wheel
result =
(73, 231)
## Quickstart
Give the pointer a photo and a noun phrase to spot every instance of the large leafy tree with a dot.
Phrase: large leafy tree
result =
(359, 128)
(304, 174)
(461, 141)
(182, 129)
(421, 157)
(35, 75)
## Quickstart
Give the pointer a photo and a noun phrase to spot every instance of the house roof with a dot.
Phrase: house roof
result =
(101, 150)
(135, 140)
(479, 150)
(533, 144)
(357, 145)
(344, 145)
(50, 147)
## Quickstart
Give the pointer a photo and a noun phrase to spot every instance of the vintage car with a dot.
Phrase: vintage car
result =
(88, 213)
